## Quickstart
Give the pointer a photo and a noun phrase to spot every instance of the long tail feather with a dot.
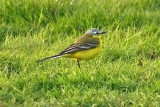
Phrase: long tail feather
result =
(51, 57)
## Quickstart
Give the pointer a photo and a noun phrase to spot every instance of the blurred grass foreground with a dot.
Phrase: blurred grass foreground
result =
(125, 73)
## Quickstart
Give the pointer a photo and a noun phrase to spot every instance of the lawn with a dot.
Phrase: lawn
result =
(125, 73)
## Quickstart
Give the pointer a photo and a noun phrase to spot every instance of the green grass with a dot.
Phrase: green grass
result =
(125, 73)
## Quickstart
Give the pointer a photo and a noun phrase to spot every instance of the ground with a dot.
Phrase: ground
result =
(125, 73)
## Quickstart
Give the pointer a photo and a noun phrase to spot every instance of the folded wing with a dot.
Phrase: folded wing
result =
(79, 47)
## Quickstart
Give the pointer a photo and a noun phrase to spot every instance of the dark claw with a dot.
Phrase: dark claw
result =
(78, 63)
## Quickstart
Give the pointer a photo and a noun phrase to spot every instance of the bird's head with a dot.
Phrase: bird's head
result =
(94, 32)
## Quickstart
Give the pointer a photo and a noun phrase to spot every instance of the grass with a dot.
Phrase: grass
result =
(125, 73)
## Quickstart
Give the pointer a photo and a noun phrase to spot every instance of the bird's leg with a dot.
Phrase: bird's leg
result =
(78, 63)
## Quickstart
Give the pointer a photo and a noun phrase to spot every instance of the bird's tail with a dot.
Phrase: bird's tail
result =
(51, 57)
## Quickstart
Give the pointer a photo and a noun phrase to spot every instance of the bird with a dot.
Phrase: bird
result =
(84, 48)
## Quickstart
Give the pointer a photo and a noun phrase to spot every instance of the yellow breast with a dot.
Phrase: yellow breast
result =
(87, 54)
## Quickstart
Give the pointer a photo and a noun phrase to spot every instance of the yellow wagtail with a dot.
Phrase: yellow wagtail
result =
(85, 48)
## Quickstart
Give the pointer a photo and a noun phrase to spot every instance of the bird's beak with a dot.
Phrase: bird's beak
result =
(102, 32)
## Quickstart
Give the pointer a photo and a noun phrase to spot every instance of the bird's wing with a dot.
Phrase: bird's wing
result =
(79, 47)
